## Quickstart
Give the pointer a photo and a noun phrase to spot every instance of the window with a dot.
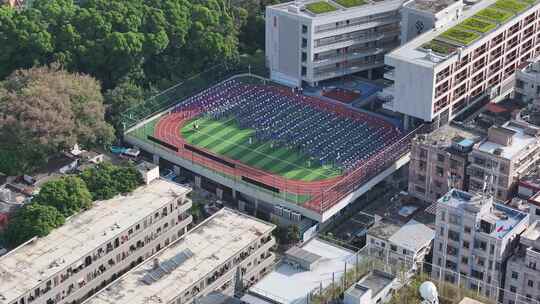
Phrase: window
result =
(440, 158)
(442, 231)
(304, 42)
(439, 171)
(467, 229)
(513, 288)
(443, 216)
(466, 245)
(464, 260)
(451, 250)
(454, 219)
(440, 246)
(393, 248)
(304, 28)
(537, 211)
(480, 245)
(530, 283)
(491, 248)
(404, 251)
(515, 275)
(304, 71)
(453, 235)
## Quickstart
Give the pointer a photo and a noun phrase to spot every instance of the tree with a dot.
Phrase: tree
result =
(46, 110)
(106, 180)
(293, 234)
(68, 195)
(32, 220)
(126, 95)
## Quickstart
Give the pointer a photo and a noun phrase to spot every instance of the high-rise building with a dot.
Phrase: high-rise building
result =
(312, 41)
(227, 251)
(96, 246)
(474, 238)
(464, 63)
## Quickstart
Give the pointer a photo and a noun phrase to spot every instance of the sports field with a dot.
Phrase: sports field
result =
(225, 137)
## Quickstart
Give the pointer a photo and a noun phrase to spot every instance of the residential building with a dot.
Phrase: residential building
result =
(306, 45)
(509, 152)
(375, 287)
(302, 271)
(475, 236)
(95, 246)
(225, 252)
(406, 244)
(464, 63)
(522, 282)
(528, 83)
(439, 161)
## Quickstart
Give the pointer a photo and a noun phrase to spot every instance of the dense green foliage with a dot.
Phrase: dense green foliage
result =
(106, 180)
(68, 195)
(32, 220)
(159, 41)
(44, 111)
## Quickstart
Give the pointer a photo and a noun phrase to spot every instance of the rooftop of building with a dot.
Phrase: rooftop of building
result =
(375, 281)
(532, 67)
(431, 6)
(38, 260)
(521, 139)
(475, 23)
(452, 138)
(288, 284)
(218, 298)
(321, 8)
(503, 218)
(413, 235)
(205, 248)
(467, 300)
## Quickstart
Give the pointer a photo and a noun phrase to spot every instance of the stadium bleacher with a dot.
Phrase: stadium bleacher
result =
(344, 138)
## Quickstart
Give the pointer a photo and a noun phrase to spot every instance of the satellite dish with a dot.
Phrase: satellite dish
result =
(428, 291)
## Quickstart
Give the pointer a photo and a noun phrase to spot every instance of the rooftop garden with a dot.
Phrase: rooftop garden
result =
(460, 35)
(439, 47)
(350, 3)
(511, 5)
(494, 14)
(478, 25)
(320, 7)
(472, 28)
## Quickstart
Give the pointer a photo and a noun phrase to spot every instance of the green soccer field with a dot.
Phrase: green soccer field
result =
(225, 137)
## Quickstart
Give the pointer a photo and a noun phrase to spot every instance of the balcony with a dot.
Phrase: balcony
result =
(342, 71)
(390, 74)
(364, 23)
(353, 54)
(387, 94)
(350, 41)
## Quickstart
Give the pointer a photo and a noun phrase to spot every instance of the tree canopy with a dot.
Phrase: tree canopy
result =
(162, 39)
(45, 110)
(68, 195)
(32, 220)
(106, 180)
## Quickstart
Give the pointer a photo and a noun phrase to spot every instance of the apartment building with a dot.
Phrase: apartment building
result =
(227, 251)
(305, 44)
(406, 244)
(475, 236)
(528, 83)
(95, 247)
(467, 61)
(508, 153)
(522, 283)
(439, 161)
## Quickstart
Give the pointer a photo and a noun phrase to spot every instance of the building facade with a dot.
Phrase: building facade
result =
(509, 152)
(305, 45)
(473, 59)
(95, 247)
(528, 83)
(439, 160)
(474, 238)
(227, 251)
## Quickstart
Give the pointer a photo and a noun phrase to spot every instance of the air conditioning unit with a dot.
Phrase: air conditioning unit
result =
(295, 216)
(286, 213)
(278, 210)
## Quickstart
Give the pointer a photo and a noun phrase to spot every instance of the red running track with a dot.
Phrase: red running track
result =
(168, 130)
